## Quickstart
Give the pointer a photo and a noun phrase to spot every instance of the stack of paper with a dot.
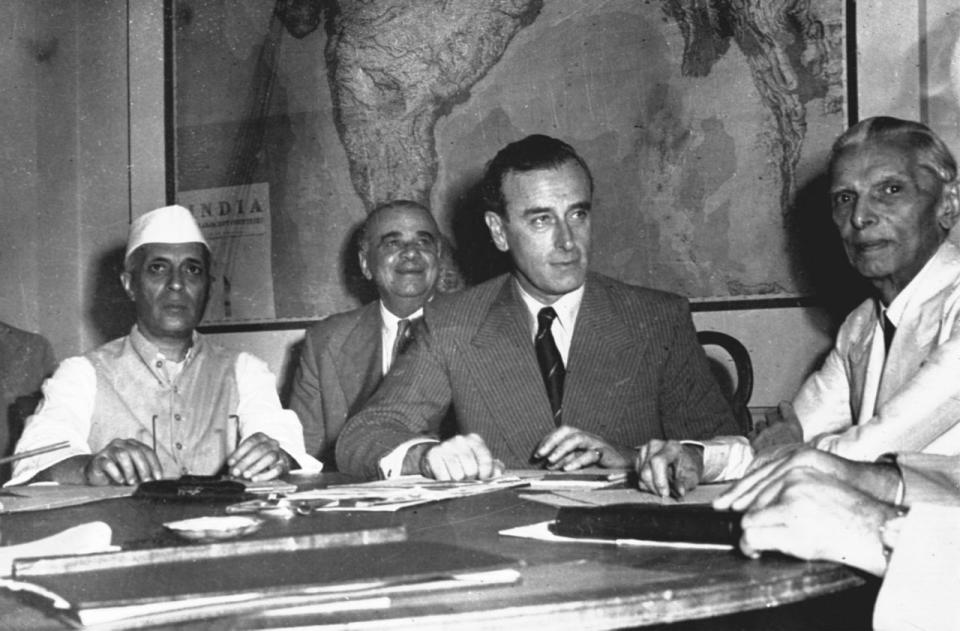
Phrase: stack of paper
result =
(391, 495)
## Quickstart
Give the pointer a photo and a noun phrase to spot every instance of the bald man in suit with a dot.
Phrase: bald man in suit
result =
(547, 366)
(346, 355)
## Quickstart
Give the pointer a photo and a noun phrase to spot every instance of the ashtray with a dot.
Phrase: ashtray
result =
(214, 528)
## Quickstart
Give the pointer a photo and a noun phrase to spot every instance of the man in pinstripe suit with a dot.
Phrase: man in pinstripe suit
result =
(629, 363)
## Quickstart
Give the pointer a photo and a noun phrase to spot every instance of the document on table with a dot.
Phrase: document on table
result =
(704, 494)
(581, 479)
(392, 495)
(47, 495)
(89, 538)
(541, 532)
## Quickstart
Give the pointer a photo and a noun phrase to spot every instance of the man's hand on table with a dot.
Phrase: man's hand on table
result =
(813, 516)
(122, 461)
(258, 458)
(462, 457)
(568, 449)
(762, 486)
(668, 467)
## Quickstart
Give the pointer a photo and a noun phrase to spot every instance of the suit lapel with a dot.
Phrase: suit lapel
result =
(361, 358)
(920, 322)
(602, 353)
(506, 365)
(859, 360)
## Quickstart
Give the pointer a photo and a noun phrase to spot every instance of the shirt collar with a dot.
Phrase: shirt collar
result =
(898, 305)
(567, 306)
(150, 353)
(390, 320)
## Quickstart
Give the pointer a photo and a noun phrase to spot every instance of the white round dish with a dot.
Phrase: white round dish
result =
(214, 528)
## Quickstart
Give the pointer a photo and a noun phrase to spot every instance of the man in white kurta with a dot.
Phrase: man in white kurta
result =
(162, 401)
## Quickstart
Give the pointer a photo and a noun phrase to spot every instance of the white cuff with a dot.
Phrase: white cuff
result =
(391, 465)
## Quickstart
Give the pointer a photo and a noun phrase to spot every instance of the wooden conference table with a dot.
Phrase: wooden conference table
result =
(582, 586)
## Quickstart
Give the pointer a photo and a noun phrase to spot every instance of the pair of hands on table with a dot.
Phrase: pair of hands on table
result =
(467, 457)
(127, 461)
(816, 506)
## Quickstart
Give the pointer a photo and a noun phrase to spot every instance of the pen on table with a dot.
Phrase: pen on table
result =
(36, 452)
(676, 488)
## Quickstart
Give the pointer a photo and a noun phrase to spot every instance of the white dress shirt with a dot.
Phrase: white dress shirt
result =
(67, 409)
(388, 333)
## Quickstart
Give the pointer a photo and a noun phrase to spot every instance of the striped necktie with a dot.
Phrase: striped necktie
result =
(400, 343)
(551, 363)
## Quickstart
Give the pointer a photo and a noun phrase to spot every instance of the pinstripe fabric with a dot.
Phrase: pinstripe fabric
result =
(635, 372)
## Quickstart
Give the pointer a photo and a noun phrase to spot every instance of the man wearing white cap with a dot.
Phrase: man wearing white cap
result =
(162, 401)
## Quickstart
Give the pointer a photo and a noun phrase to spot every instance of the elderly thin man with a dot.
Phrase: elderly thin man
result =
(548, 366)
(346, 355)
(890, 384)
(164, 400)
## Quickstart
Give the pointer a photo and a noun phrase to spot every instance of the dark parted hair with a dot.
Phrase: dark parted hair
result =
(931, 152)
(532, 153)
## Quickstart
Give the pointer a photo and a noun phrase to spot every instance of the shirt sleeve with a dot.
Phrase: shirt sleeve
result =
(724, 457)
(823, 401)
(920, 588)
(929, 478)
(391, 465)
(64, 414)
(260, 411)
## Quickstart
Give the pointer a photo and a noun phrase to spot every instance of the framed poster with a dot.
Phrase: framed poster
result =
(706, 125)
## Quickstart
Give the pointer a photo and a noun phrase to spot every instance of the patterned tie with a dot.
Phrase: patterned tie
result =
(404, 332)
(551, 364)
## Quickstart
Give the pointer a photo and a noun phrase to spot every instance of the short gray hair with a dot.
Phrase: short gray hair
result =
(931, 152)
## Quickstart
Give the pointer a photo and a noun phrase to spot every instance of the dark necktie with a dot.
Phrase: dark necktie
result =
(888, 330)
(402, 340)
(551, 364)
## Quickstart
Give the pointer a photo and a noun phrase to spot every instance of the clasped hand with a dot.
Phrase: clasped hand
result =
(127, 461)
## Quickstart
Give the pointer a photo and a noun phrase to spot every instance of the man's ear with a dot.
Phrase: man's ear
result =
(495, 224)
(949, 210)
(126, 279)
(364, 266)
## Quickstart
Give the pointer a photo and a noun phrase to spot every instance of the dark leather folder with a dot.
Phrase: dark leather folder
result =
(694, 523)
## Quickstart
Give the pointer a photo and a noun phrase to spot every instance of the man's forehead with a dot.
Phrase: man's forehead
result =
(568, 178)
(878, 158)
(402, 219)
(173, 250)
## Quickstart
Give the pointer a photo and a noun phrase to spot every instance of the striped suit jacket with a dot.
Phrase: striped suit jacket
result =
(635, 371)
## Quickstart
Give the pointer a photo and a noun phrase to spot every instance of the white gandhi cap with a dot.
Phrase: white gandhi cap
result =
(170, 224)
